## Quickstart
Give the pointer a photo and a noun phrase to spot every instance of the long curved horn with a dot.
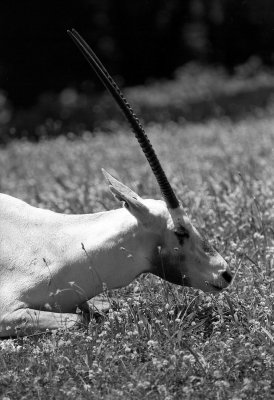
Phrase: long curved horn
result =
(165, 187)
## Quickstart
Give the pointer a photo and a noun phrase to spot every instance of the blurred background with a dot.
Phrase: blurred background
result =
(206, 57)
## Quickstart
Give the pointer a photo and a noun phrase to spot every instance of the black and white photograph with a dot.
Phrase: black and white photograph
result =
(137, 200)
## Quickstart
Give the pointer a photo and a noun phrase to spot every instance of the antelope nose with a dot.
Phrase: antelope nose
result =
(227, 276)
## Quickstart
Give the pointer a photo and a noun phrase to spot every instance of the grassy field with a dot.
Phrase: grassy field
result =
(159, 341)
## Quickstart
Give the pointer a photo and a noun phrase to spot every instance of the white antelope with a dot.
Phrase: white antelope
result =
(52, 263)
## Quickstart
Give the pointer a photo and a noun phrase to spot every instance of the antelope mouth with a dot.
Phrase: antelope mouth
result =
(216, 287)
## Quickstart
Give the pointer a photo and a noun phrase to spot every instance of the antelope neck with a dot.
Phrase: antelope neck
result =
(118, 248)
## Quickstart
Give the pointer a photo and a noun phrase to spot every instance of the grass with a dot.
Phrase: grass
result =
(159, 341)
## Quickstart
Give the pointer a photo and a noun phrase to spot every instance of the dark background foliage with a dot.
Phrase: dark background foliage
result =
(136, 39)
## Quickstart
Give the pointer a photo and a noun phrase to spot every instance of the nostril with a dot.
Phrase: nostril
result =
(227, 276)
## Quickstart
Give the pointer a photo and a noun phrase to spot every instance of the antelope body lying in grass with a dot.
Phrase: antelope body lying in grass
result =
(52, 263)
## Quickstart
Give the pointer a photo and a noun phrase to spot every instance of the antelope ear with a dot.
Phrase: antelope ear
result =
(131, 200)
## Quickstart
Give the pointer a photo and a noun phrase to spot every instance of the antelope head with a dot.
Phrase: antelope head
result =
(182, 255)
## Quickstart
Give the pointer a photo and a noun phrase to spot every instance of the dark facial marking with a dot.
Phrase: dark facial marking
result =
(181, 233)
(171, 273)
(167, 266)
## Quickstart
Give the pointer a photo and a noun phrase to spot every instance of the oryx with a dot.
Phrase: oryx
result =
(51, 263)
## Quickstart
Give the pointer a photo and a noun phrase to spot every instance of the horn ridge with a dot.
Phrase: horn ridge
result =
(165, 187)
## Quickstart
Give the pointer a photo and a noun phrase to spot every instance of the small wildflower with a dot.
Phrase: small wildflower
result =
(217, 374)
(143, 384)
(127, 349)
(152, 343)
(173, 359)
(87, 388)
